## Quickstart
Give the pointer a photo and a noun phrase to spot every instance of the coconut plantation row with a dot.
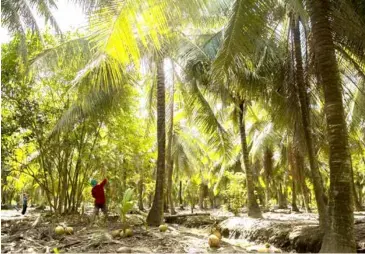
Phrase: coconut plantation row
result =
(190, 126)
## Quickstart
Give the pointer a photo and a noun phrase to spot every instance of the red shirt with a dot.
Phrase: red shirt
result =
(98, 193)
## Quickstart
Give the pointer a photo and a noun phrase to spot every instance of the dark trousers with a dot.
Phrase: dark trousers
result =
(102, 207)
(24, 208)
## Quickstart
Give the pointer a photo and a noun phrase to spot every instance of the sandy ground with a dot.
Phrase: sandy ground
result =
(19, 234)
(34, 233)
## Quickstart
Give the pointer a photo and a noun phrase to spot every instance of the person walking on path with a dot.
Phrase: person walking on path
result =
(98, 194)
(25, 203)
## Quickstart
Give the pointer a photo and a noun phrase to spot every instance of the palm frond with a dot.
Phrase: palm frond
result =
(115, 25)
(28, 17)
(11, 19)
(356, 112)
(96, 105)
(43, 7)
(263, 138)
(298, 9)
(123, 29)
(201, 113)
(348, 27)
(101, 87)
(232, 164)
(186, 149)
(181, 157)
(17, 16)
(353, 60)
(101, 73)
(245, 32)
(92, 5)
(71, 52)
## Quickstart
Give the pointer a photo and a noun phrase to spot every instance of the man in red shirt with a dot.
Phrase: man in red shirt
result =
(98, 194)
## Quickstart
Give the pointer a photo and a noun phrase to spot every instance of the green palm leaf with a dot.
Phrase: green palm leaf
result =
(101, 87)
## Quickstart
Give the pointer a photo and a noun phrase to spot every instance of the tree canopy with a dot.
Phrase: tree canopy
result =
(216, 103)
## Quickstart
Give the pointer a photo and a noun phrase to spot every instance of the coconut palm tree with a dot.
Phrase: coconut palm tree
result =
(236, 48)
(169, 158)
(118, 49)
(355, 116)
(155, 216)
(19, 15)
(105, 35)
(238, 60)
(305, 117)
(340, 236)
(252, 206)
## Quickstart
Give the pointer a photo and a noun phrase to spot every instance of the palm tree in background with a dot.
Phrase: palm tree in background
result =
(237, 68)
(110, 58)
(301, 88)
(155, 215)
(233, 51)
(19, 15)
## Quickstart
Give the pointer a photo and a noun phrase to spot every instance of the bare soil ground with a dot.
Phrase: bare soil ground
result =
(20, 234)
(292, 232)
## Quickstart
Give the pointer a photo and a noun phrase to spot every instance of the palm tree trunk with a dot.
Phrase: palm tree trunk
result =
(303, 100)
(252, 206)
(268, 166)
(140, 192)
(180, 196)
(169, 189)
(285, 193)
(299, 162)
(150, 197)
(294, 174)
(356, 198)
(155, 216)
(359, 188)
(282, 202)
(294, 197)
(170, 162)
(166, 201)
(212, 199)
(201, 196)
(340, 236)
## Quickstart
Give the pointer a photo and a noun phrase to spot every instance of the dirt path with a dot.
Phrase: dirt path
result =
(20, 234)
(34, 233)
(16, 214)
